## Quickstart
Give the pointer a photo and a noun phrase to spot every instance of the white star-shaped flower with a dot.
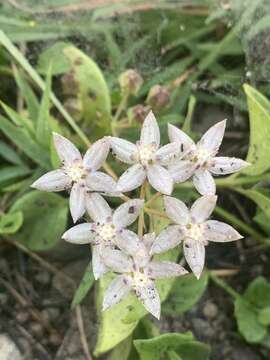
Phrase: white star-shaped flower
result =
(193, 229)
(107, 230)
(137, 271)
(78, 174)
(147, 159)
(200, 160)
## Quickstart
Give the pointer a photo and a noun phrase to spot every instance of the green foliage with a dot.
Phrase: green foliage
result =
(10, 222)
(252, 311)
(186, 292)
(84, 286)
(183, 345)
(45, 218)
(259, 116)
(54, 56)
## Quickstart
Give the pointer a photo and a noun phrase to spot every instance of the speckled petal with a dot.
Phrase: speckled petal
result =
(116, 291)
(194, 252)
(202, 208)
(67, 152)
(127, 213)
(132, 178)
(55, 180)
(96, 155)
(212, 139)
(220, 232)
(226, 165)
(123, 150)
(160, 179)
(97, 207)
(204, 182)
(150, 131)
(79, 234)
(77, 201)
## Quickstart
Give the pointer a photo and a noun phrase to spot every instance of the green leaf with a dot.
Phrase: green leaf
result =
(93, 92)
(43, 131)
(259, 117)
(258, 292)
(24, 142)
(264, 316)
(187, 290)
(54, 55)
(263, 221)
(11, 222)
(45, 218)
(9, 154)
(259, 198)
(247, 321)
(85, 285)
(183, 344)
(8, 173)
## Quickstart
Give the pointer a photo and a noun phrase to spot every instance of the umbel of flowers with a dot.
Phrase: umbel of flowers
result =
(128, 254)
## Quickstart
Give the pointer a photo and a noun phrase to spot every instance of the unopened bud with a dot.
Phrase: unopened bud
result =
(130, 81)
(158, 97)
(137, 113)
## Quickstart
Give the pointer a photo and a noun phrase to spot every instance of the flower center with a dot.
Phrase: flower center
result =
(139, 279)
(146, 153)
(194, 231)
(76, 171)
(201, 156)
(106, 231)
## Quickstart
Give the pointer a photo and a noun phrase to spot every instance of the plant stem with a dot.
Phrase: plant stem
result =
(153, 198)
(155, 212)
(122, 105)
(221, 283)
(141, 216)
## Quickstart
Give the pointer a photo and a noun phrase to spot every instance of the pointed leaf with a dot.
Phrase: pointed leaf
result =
(84, 286)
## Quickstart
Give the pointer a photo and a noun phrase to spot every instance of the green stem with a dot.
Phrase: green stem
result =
(221, 283)
(122, 105)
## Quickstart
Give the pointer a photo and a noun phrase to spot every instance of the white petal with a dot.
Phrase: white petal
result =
(96, 155)
(149, 297)
(226, 165)
(160, 179)
(116, 260)
(97, 207)
(168, 153)
(202, 208)
(123, 150)
(115, 292)
(176, 210)
(130, 243)
(163, 269)
(127, 213)
(101, 182)
(132, 178)
(66, 151)
(212, 139)
(220, 232)
(181, 170)
(98, 266)
(150, 131)
(167, 239)
(204, 182)
(177, 135)
(194, 252)
(79, 234)
(55, 180)
(77, 201)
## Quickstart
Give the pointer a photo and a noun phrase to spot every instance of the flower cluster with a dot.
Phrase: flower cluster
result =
(118, 249)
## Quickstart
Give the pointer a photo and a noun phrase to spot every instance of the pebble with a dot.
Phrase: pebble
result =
(8, 349)
(203, 329)
(43, 277)
(210, 310)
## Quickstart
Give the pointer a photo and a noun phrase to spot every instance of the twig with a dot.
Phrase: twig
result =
(84, 341)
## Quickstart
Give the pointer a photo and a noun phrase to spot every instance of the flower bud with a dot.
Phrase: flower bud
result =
(137, 113)
(158, 97)
(130, 81)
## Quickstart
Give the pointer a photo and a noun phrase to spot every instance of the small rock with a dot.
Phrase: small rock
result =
(210, 310)
(43, 277)
(50, 314)
(203, 329)
(22, 316)
(8, 349)
(3, 299)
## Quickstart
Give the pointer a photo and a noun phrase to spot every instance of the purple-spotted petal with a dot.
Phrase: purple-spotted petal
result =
(77, 201)
(101, 182)
(123, 150)
(97, 207)
(55, 180)
(130, 243)
(163, 269)
(160, 179)
(194, 252)
(226, 165)
(116, 291)
(168, 154)
(98, 266)
(96, 155)
(220, 232)
(204, 182)
(149, 297)
(176, 210)
(66, 151)
(131, 179)
(150, 131)
(182, 170)
(117, 261)
(167, 239)
(127, 213)
(202, 208)
(177, 135)
(80, 234)
(212, 139)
